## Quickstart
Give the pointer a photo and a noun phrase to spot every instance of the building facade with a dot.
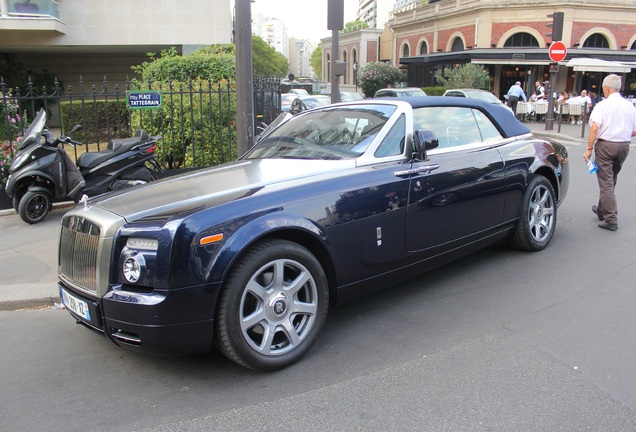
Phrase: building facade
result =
(273, 31)
(99, 38)
(509, 38)
(300, 51)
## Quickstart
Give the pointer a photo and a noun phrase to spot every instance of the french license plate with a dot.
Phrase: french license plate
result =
(72, 303)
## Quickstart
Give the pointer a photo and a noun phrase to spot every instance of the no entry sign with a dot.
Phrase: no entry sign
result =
(557, 51)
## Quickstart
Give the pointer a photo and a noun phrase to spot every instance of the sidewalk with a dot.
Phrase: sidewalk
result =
(28, 253)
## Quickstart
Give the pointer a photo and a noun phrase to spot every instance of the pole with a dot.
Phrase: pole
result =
(549, 117)
(244, 77)
(335, 84)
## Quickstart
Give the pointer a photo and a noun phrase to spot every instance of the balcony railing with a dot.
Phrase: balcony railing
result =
(32, 8)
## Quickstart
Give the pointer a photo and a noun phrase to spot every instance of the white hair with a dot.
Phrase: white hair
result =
(612, 81)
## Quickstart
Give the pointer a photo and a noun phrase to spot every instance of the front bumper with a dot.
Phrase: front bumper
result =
(178, 322)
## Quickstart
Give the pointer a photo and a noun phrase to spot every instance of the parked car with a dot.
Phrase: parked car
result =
(299, 92)
(303, 103)
(400, 92)
(350, 96)
(286, 100)
(336, 202)
(484, 95)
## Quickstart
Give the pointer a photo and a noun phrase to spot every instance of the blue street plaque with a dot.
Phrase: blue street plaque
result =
(143, 99)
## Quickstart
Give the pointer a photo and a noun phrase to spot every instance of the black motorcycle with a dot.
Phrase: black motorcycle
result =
(42, 173)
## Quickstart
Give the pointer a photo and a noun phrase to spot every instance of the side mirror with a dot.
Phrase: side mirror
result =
(425, 140)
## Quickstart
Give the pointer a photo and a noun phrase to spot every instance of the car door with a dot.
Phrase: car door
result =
(458, 196)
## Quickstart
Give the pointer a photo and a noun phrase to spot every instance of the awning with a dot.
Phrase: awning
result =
(514, 62)
(587, 64)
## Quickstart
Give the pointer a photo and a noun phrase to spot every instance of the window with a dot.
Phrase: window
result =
(406, 51)
(458, 45)
(423, 48)
(521, 40)
(393, 142)
(596, 40)
(456, 126)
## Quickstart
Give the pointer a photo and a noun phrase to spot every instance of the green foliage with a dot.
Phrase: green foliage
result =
(469, 75)
(110, 118)
(11, 127)
(354, 25)
(316, 60)
(434, 91)
(266, 60)
(197, 131)
(378, 75)
(214, 63)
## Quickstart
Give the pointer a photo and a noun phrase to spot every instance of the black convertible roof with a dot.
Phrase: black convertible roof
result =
(507, 122)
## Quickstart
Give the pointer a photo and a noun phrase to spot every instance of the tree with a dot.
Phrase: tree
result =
(355, 25)
(378, 75)
(316, 60)
(266, 60)
(469, 75)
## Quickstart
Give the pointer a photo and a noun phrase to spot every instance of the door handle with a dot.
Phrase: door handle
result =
(417, 170)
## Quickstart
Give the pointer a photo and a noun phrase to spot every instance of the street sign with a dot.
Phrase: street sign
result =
(557, 51)
(143, 99)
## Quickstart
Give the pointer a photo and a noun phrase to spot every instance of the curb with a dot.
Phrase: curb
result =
(13, 305)
(57, 205)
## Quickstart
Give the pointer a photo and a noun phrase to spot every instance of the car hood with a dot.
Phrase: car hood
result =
(213, 186)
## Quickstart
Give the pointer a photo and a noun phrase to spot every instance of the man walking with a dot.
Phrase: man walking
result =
(612, 126)
(514, 94)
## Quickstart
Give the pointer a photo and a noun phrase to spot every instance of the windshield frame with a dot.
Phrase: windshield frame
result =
(362, 150)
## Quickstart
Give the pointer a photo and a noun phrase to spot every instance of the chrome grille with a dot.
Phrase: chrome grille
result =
(78, 254)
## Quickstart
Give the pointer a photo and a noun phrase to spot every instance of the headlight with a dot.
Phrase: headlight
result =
(18, 161)
(138, 262)
(133, 267)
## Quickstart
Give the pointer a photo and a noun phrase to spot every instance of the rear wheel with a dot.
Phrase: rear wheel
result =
(538, 216)
(34, 206)
(272, 307)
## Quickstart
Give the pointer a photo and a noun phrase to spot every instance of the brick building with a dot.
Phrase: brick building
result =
(509, 39)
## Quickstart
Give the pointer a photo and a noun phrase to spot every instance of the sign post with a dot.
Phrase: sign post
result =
(557, 53)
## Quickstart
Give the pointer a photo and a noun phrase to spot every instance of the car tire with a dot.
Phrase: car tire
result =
(34, 206)
(538, 217)
(272, 307)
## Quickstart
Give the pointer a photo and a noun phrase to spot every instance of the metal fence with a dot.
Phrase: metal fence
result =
(197, 119)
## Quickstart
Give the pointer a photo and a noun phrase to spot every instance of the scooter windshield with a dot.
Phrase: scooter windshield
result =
(34, 133)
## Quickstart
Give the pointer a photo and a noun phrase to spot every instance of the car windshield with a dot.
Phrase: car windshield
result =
(330, 133)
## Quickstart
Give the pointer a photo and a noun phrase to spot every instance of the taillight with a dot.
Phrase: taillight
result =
(151, 149)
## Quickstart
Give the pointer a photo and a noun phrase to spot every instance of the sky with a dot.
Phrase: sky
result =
(304, 19)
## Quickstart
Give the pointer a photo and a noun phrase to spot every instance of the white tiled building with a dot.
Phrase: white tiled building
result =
(92, 38)
(273, 31)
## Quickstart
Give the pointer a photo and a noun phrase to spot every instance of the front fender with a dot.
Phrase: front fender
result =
(27, 178)
(277, 224)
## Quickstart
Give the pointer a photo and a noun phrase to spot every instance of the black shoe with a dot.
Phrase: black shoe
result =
(598, 215)
(608, 226)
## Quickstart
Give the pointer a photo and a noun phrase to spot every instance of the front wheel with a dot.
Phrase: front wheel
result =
(538, 217)
(272, 306)
(34, 206)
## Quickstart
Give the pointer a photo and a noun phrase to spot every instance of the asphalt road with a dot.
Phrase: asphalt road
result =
(499, 341)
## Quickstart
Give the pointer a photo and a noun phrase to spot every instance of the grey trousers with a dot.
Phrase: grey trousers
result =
(609, 158)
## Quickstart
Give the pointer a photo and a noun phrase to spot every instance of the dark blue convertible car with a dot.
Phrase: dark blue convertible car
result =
(335, 202)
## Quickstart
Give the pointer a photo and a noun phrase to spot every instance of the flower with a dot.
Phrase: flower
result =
(11, 127)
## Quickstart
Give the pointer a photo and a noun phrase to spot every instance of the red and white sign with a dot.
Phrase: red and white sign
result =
(557, 51)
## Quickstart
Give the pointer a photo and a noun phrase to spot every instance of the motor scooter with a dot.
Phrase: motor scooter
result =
(42, 173)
